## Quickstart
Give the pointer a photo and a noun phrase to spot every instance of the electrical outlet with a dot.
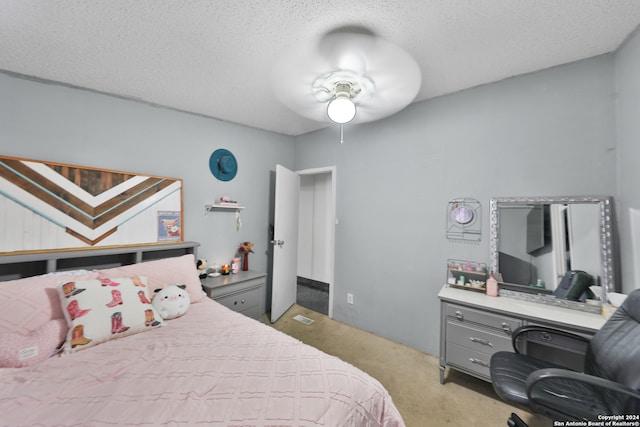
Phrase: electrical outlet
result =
(349, 298)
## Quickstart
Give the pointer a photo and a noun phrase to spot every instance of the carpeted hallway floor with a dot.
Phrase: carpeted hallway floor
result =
(411, 377)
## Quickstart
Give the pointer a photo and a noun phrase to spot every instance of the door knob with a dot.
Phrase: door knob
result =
(277, 242)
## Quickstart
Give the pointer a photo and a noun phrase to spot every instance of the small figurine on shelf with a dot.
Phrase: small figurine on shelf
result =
(244, 249)
(226, 201)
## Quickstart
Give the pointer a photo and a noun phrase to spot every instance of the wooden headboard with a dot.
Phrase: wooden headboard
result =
(20, 265)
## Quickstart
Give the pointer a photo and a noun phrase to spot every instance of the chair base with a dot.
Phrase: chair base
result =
(516, 421)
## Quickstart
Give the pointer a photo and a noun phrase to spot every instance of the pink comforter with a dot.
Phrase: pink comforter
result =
(210, 367)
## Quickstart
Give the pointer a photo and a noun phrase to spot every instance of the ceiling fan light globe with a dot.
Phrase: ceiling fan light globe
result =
(341, 110)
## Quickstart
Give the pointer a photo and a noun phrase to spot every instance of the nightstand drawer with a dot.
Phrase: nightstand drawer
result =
(243, 292)
(254, 312)
(465, 314)
(242, 300)
(477, 338)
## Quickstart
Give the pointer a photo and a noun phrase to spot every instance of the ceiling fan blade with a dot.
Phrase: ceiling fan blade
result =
(347, 51)
(395, 75)
(292, 84)
(395, 89)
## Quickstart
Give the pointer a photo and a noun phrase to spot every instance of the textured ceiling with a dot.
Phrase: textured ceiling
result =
(215, 57)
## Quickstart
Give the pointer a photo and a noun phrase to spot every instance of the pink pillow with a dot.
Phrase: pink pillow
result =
(17, 350)
(163, 272)
(30, 303)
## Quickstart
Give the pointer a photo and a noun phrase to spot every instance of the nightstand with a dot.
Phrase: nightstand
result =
(243, 292)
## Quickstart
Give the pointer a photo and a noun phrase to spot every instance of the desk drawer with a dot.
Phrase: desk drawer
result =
(243, 300)
(559, 341)
(475, 362)
(478, 339)
(492, 320)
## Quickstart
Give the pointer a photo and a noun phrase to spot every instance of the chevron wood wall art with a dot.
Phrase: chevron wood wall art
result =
(47, 205)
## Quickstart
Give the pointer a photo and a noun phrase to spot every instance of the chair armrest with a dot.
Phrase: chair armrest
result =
(580, 396)
(520, 335)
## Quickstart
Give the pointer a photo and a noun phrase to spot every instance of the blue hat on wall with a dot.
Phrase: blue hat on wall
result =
(223, 164)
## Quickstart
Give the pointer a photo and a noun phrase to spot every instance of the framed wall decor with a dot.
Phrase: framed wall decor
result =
(169, 226)
(464, 220)
(48, 205)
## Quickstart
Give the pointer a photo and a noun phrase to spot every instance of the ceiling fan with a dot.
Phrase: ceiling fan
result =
(348, 75)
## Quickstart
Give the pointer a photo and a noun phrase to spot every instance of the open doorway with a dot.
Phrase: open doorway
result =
(316, 239)
(302, 235)
(313, 295)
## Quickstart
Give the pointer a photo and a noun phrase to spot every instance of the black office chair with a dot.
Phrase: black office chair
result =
(608, 385)
(574, 286)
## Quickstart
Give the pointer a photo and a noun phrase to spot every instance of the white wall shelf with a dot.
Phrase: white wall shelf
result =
(216, 207)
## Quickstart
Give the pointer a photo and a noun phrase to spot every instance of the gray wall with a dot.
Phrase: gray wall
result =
(627, 70)
(57, 123)
(548, 133)
(544, 134)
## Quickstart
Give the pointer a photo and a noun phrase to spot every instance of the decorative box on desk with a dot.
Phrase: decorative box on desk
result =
(242, 292)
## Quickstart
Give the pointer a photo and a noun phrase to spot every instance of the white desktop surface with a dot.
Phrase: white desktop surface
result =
(531, 310)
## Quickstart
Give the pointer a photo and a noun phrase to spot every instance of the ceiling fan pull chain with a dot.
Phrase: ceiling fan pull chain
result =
(341, 134)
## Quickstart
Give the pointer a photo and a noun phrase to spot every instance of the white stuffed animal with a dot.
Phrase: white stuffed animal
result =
(171, 301)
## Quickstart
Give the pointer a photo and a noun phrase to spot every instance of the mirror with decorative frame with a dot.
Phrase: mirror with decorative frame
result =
(554, 250)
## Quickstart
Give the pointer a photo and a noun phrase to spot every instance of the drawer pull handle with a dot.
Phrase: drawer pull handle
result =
(506, 327)
(545, 336)
(481, 341)
(479, 362)
(459, 315)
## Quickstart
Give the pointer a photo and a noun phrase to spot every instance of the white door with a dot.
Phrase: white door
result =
(285, 242)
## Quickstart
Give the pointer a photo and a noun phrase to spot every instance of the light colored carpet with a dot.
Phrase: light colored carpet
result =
(411, 377)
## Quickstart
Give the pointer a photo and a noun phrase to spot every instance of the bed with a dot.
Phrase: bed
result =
(211, 366)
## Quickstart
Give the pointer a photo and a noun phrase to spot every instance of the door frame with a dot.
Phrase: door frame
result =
(332, 224)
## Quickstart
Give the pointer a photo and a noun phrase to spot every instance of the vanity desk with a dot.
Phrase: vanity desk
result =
(473, 326)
